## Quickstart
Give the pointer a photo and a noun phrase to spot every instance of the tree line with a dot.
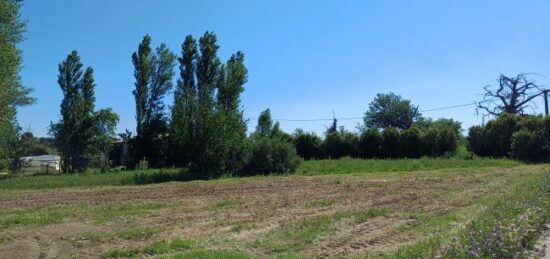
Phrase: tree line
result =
(524, 137)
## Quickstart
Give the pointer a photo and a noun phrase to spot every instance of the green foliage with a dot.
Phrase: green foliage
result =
(509, 225)
(55, 215)
(272, 155)
(370, 143)
(308, 145)
(29, 145)
(271, 150)
(153, 73)
(12, 92)
(390, 143)
(527, 145)
(360, 166)
(264, 127)
(90, 179)
(391, 110)
(161, 176)
(82, 133)
(411, 143)
(446, 141)
(208, 128)
(521, 137)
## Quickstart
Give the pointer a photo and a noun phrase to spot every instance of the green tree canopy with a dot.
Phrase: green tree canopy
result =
(391, 110)
(12, 92)
(82, 132)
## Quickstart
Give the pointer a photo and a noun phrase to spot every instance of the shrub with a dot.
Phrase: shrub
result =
(308, 144)
(447, 141)
(429, 142)
(271, 155)
(411, 143)
(527, 145)
(521, 137)
(369, 143)
(332, 146)
(390, 143)
(498, 134)
(476, 140)
(499, 241)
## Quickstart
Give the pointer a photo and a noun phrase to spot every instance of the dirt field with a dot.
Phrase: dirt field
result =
(316, 216)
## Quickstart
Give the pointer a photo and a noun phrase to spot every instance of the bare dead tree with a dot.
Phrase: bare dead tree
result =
(512, 95)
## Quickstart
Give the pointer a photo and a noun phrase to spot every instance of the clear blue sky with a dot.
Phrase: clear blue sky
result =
(305, 58)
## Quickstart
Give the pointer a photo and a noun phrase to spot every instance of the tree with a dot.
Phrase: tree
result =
(104, 133)
(81, 132)
(184, 111)
(209, 131)
(265, 124)
(391, 110)
(270, 152)
(512, 95)
(29, 145)
(153, 73)
(12, 92)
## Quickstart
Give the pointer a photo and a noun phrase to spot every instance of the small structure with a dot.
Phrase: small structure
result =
(45, 164)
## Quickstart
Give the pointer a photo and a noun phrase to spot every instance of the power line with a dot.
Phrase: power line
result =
(361, 117)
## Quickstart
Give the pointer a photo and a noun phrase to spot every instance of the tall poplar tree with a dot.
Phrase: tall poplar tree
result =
(77, 134)
(12, 92)
(208, 128)
(184, 111)
(153, 73)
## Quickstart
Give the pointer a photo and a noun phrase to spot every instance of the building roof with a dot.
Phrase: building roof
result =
(42, 158)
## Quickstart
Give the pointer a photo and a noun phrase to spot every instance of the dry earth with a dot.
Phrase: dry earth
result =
(240, 214)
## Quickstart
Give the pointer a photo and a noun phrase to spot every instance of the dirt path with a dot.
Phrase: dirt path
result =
(543, 245)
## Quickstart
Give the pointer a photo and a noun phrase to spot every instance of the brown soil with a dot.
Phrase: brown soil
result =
(196, 210)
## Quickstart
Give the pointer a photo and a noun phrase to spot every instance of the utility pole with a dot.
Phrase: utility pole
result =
(545, 102)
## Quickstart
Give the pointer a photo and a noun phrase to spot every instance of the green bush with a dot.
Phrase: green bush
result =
(308, 145)
(498, 135)
(369, 143)
(527, 145)
(272, 155)
(390, 143)
(521, 137)
(411, 143)
(447, 141)
(429, 142)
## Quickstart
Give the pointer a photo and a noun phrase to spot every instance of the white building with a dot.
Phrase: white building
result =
(46, 164)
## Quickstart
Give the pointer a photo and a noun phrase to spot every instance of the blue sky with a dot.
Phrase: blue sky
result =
(306, 58)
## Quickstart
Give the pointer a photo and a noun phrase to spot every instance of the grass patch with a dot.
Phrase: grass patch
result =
(364, 216)
(121, 253)
(312, 167)
(56, 215)
(293, 237)
(354, 166)
(320, 203)
(479, 222)
(89, 179)
(207, 254)
(157, 248)
(228, 203)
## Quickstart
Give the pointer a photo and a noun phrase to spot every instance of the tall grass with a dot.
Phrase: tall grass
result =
(312, 167)
(90, 179)
(354, 165)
